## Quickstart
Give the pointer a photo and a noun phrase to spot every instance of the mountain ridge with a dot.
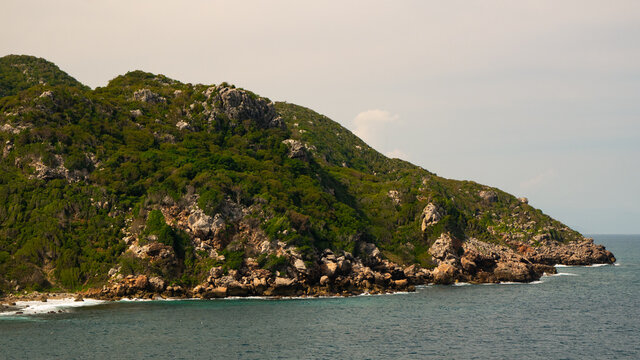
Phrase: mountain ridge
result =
(152, 186)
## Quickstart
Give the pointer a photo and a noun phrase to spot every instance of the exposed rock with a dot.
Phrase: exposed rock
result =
(141, 282)
(395, 196)
(445, 249)
(202, 225)
(297, 149)
(154, 251)
(56, 169)
(576, 253)
(344, 266)
(444, 274)
(219, 292)
(157, 284)
(523, 200)
(182, 125)
(235, 288)
(17, 129)
(146, 95)
(488, 195)
(300, 266)
(329, 269)
(241, 105)
(514, 271)
(8, 146)
(430, 215)
(216, 271)
(283, 282)
(136, 113)
(47, 94)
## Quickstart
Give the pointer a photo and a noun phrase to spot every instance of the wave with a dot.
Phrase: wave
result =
(49, 306)
(582, 266)
(562, 274)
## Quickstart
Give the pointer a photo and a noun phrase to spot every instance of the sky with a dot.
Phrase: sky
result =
(538, 98)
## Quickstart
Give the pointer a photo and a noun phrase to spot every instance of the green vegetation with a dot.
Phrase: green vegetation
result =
(112, 161)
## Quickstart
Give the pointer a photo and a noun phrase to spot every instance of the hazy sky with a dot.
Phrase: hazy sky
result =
(539, 98)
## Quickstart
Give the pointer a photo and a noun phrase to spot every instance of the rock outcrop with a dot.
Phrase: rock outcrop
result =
(241, 105)
(297, 149)
(430, 215)
(148, 96)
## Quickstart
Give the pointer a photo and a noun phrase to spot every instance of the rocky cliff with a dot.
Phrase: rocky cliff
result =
(149, 186)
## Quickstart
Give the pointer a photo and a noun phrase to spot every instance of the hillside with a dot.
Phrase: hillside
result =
(151, 186)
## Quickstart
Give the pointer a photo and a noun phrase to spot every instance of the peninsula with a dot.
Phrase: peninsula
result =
(151, 187)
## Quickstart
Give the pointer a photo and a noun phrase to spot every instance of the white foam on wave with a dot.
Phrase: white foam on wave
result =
(514, 283)
(55, 305)
(563, 274)
(582, 266)
(461, 284)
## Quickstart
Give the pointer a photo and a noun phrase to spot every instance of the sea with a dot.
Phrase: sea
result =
(580, 313)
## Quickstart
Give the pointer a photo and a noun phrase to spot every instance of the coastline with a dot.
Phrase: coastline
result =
(37, 303)
(343, 275)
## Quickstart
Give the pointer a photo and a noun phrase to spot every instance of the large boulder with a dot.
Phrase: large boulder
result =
(329, 269)
(445, 249)
(203, 225)
(430, 215)
(444, 274)
(156, 284)
(514, 271)
(300, 266)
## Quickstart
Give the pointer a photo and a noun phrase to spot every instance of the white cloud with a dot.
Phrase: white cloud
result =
(538, 179)
(397, 153)
(372, 126)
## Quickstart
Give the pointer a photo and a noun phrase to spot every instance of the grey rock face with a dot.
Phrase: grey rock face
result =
(241, 105)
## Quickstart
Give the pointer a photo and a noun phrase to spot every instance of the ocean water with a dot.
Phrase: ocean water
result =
(581, 313)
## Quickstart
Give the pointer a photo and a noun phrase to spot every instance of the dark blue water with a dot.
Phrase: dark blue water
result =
(592, 313)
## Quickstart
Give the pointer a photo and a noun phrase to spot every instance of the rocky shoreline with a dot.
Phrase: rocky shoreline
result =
(342, 274)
